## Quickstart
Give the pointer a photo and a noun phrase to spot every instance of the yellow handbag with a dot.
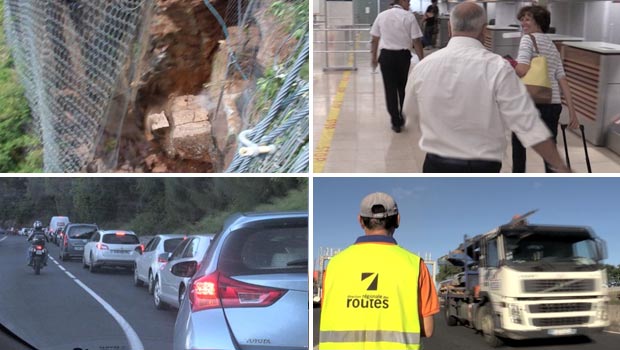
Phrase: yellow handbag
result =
(537, 78)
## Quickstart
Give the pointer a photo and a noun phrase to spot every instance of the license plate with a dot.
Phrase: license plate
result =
(566, 331)
(78, 248)
(39, 252)
(119, 251)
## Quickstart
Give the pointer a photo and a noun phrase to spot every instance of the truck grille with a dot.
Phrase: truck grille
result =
(558, 286)
(564, 321)
(563, 307)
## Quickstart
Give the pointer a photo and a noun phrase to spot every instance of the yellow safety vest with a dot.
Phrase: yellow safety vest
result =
(371, 299)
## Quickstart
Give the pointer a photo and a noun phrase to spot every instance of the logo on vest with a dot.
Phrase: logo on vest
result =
(369, 301)
(375, 281)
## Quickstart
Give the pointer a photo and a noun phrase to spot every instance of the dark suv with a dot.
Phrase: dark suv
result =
(74, 238)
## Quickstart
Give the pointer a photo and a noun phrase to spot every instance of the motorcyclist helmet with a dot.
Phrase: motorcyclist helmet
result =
(37, 225)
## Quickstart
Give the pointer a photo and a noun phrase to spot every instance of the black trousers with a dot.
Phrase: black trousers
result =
(428, 35)
(395, 69)
(438, 164)
(550, 114)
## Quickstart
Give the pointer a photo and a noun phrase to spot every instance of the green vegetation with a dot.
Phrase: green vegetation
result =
(446, 271)
(20, 150)
(613, 273)
(293, 14)
(147, 205)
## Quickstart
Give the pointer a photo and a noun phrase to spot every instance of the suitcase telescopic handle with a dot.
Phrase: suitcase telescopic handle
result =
(585, 147)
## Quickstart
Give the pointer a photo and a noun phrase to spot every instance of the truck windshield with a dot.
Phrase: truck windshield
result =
(550, 247)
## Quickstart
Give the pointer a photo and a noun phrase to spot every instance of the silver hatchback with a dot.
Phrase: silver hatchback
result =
(251, 289)
(74, 239)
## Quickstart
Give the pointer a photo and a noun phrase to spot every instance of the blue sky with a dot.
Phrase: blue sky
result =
(437, 212)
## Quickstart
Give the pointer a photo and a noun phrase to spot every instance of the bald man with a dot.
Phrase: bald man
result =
(465, 113)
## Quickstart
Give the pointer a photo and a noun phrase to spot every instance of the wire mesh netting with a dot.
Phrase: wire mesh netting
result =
(77, 58)
(284, 130)
(286, 126)
(71, 56)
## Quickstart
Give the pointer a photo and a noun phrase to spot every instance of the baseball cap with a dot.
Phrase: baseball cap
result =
(378, 199)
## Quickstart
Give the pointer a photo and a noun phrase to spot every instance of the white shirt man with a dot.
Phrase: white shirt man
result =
(398, 30)
(466, 99)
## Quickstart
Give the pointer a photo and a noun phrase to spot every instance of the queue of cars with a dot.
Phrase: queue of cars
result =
(231, 289)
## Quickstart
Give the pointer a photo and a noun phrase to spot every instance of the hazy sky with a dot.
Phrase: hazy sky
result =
(437, 212)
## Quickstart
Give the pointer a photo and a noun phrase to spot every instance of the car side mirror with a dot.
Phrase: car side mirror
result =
(163, 257)
(184, 269)
(138, 249)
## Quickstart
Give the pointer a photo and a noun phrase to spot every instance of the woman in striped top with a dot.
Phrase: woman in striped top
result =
(535, 20)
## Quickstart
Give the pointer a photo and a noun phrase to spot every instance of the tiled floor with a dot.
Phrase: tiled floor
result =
(364, 143)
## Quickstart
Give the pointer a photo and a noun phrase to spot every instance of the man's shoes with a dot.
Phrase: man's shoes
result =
(396, 129)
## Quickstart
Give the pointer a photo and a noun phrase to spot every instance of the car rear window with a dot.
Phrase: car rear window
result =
(172, 243)
(79, 231)
(267, 250)
(120, 239)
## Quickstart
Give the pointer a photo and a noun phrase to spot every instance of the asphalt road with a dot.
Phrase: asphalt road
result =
(52, 311)
(463, 338)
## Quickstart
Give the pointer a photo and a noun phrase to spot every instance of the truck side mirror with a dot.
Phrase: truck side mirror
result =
(601, 249)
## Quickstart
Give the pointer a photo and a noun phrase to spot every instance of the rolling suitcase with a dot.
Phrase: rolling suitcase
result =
(585, 147)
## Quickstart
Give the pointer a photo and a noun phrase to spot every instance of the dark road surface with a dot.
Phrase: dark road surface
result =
(52, 311)
(463, 338)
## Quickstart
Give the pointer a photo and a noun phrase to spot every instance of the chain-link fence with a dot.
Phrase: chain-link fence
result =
(77, 59)
(282, 135)
(72, 57)
(279, 141)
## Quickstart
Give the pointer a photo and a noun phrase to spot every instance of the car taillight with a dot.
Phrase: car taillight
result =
(66, 241)
(142, 248)
(217, 290)
(102, 246)
(39, 247)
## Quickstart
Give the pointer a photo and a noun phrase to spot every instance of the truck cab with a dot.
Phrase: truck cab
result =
(531, 281)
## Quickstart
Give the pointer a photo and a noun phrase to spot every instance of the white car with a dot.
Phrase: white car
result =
(148, 261)
(110, 249)
(170, 289)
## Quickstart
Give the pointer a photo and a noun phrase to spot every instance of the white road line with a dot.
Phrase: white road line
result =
(132, 336)
(5, 237)
(612, 332)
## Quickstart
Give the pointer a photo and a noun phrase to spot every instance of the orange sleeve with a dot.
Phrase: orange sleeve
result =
(428, 302)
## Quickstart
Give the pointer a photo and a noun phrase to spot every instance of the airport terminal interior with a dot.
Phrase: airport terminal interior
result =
(351, 124)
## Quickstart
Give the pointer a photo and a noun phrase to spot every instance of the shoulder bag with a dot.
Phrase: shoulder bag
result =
(537, 78)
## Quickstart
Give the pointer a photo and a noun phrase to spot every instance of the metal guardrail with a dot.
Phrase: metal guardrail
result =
(352, 39)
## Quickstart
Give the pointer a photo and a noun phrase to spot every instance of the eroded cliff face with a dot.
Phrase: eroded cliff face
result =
(185, 116)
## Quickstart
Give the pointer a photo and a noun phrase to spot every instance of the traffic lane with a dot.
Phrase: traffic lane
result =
(154, 327)
(463, 338)
(50, 311)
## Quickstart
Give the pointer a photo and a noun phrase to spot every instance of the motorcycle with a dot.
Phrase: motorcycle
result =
(39, 253)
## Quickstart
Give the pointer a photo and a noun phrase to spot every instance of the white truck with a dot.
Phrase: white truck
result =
(524, 281)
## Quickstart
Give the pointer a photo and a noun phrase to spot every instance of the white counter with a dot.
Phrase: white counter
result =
(561, 37)
(596, 46)
(493, 27)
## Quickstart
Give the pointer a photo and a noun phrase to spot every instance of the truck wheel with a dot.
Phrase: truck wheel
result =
(451, 321)
(487, 325)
